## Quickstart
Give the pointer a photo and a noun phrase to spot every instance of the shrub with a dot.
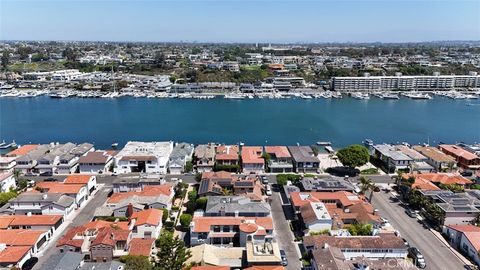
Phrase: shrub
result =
(165, 215)
(354, 155)
(185, 220)
(201, 203)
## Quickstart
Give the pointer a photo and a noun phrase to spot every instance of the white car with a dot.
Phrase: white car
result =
(268, 191)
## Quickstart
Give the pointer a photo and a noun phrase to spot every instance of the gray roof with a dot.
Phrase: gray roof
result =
(181, 150)
(57, 198)
(390, 151)
(302, 154)
(205, 151)
(81, 149)
(63, 261)
(136, 178)
(231, 204)
(326, 184)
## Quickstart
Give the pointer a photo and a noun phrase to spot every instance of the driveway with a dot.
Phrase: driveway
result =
(438, 256)
(85, 215)
(283, 233)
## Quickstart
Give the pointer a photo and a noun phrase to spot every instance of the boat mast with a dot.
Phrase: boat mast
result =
(113, 79)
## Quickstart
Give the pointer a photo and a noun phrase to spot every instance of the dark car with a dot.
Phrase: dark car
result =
(343, 171)
(46, 174)
(284, 257)
(417, 257)
(30, 263)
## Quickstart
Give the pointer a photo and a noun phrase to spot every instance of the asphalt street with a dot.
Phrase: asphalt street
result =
(437, 255)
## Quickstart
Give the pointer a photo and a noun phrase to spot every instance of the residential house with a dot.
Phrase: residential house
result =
(465, 159)
(44, 223)
(229, 231)
(419, 161)
(205, 157)
(425, 180)
(392, 159)
(236, 206)
(148, 157)
(315, 217)
(19, 246)
(97, 240)
(146, 223)
(381, 246)
(79, 192)
(136, 182)
(219, 183)
(142, 247)
(280, 159)
(181, 154)
(457, 208)
(38, 203)
(7, 164)
(466, 239)
(227, 155)
(96, 162)
(22, 150)
(304, 159)
(82, 179)
(252, 160)
(436, 158)
(7, 181)
(329, 184)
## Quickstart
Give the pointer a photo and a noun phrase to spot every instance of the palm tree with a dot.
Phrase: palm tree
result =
(365, 184)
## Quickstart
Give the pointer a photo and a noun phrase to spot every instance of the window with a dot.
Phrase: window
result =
(216, 228)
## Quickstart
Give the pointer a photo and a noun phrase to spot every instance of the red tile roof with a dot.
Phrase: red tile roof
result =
(19, 237)
(141, 247)
(151, 216)
(472, 233)
(278, 151)
(457, 151)
(98, 225)
(227, 152)
(204, 224)
(441, 178)
(344, 197)
(252, 155)
(35, 220)
(13, 254)
(78, 179)
(56, 187)
(22, 150)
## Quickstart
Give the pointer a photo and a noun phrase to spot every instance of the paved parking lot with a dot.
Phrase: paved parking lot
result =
(437, 255)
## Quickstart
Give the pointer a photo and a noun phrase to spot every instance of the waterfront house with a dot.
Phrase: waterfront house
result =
(371, 247)
(22, 150)
(229, 231)
(252, 160)
(7, 181)
(392, 159)
(465, 159)
(419, 161)
(20, 245)
(181, 154)
(226, 155)
(205, 157)
(7, 164)
(38, 203)
(236, 206)
(218, 183)
(148, 157)
(436, 158)
(96, 162)
(304, 159)
(466, 239)
(280, 159)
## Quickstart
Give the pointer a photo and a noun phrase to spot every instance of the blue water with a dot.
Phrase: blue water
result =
(254, 122)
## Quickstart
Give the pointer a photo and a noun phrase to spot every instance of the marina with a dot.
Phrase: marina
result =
(254, 121)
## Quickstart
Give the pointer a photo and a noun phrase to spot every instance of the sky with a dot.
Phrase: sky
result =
(241, 21)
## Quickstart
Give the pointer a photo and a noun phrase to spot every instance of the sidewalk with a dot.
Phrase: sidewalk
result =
(453, 250)
(182, 209)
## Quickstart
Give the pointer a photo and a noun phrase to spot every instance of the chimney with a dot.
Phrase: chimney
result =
(44, 196)
(129, 210)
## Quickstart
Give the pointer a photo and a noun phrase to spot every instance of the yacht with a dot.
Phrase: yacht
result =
(389, 96)
(358, 95)
(416, 95)
(234, 96)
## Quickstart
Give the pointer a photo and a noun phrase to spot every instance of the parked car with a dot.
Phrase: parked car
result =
(411, 213)
(406, 242)
(268, 190)
(417, 257)
(30, 263)
(283, 255)
(264, 180)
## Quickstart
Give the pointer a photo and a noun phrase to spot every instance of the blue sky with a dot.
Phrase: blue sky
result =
(241, 21)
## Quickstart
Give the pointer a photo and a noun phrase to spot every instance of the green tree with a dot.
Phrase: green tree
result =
(185, 220)
(201, 203)
(69, 54)
(189, 166)
(360, 229)
(165, 215)
(172, 253)
(24, 51)
(6, 196)
(136, 262)
(353, 155)
(5, 60)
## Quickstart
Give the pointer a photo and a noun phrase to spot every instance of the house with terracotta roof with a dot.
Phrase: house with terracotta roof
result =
(304, 159)
(146, 223)
(142, 247)
(428, 181)
(436, 158)
(22, 150)
(97, 240)
(78, 192)
(252, 160)
(96, 162)
(229, 231)
(465, 159)
(216, 183)
(315, 217)
(227, 155)
(7, 164)
(7, 181)
(280, 159)
(45, 223)
(17, 246)
(205, 157)
(82, 179)
(381, 246)
(466, 239)
(38, 203)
